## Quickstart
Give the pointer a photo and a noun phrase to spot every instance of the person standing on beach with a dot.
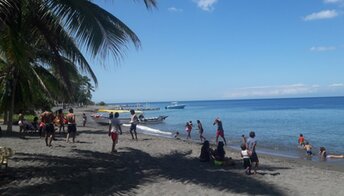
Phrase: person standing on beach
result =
(201, 130)
(84, 119)
(133, 121)
(188, 129)
(71, 127)
(114, 128)
(219, 131)
(47, 120)
(251, 146)
(61, 120)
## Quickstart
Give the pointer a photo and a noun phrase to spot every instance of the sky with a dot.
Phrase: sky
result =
(226, 49)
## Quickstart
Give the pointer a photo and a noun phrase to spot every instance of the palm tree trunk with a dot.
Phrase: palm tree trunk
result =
(5, 117)
(11, 110)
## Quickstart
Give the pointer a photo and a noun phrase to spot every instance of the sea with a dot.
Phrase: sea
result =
(276, 122)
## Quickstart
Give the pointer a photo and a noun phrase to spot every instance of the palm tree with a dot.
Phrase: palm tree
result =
(40, 41)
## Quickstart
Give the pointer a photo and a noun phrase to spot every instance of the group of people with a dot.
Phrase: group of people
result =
(304, 144)
(115, 127)
(219, 130)
(248, 154)
(48, 121)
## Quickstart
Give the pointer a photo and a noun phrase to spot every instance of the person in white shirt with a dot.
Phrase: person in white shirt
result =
(114, 129)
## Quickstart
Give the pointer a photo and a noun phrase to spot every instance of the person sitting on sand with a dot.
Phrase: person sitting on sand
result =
(115, 127)
(301, 140)
(219, 154)
(206, 152)
(324, 155)
(251, 144)
(176, 135)
(308, 148)
(245, 154)
(219, 131)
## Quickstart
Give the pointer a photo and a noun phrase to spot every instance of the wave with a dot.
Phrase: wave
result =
(151, 131)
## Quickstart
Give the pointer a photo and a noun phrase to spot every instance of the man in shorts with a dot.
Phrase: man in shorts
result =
(219, 131)
(114, 129)
(71, 125)
(251, 146)
(47, 121)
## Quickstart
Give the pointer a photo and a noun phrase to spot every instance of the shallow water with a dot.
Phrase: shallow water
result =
(276, 122)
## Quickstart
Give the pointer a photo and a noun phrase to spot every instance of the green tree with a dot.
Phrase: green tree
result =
(40, 42)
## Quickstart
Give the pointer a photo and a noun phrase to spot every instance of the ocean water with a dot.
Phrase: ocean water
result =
(276, 122)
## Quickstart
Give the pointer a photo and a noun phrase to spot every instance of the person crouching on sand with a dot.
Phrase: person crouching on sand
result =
(114, 129)
(324, 155)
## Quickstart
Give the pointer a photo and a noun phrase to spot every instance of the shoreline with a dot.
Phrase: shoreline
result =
(151, 166)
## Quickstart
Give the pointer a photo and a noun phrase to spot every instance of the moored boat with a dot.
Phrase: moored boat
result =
(175, 105)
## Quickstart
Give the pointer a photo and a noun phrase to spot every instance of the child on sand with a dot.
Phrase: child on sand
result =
(301, 140)
(245, 154)
(308, 149)
(206, 152)
(114, 129)
(324, 155)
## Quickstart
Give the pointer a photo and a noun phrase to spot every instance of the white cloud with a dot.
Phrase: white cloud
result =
(174, 9)
(322, 48)
(292, 90)
(272, 91)
(333, 1)
(206, 5)
(325, 14)
(337, 85)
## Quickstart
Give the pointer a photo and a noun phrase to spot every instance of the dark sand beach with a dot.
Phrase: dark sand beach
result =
(150, 166)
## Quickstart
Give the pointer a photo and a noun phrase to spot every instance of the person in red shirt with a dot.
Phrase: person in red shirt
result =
(301, 140)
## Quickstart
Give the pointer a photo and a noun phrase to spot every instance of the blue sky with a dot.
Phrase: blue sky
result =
(226, 49)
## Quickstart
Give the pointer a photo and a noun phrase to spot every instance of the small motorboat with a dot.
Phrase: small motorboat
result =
(151, 120)
(175, 105)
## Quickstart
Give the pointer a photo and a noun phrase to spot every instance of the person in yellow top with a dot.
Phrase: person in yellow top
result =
(71, 125)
